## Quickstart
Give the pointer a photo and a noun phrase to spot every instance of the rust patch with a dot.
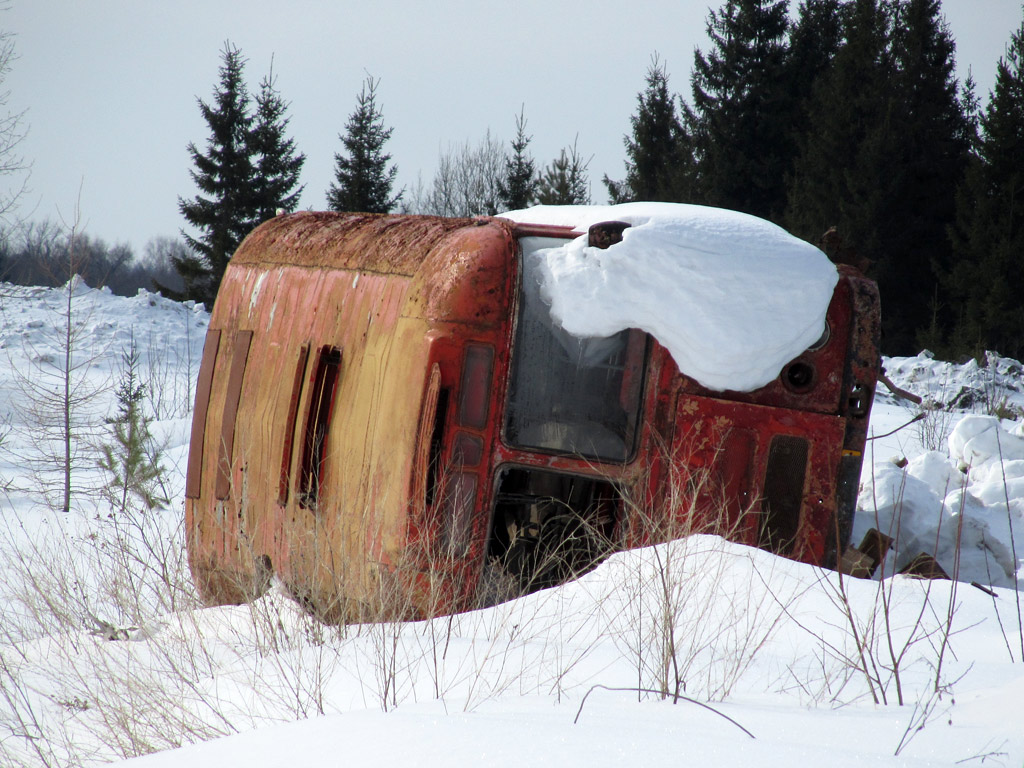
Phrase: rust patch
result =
(392, 245)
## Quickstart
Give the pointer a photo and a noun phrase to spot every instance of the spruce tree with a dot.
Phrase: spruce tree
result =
(741, 113)
(932, 144)
(519, 187)
(226, 208)
(277, 164)
(363, 179)
(249, 171)
(131, 461)
(842, 177)
(989, 236)
(814, 40)
(656, 151)
(565, 180)
(885, 146)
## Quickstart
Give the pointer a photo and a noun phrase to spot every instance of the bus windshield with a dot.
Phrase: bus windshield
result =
(570, 395)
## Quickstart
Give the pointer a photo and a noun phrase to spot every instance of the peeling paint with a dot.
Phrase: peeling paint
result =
(256, 289)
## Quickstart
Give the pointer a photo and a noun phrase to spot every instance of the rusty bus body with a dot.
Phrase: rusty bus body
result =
(383, 419)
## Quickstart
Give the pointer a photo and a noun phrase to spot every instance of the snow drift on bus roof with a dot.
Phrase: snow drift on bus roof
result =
(731, 296)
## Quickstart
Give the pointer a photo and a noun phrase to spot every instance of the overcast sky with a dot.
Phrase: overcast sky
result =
(110, 86)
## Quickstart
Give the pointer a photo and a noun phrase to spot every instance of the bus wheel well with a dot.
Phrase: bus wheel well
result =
(547, 528)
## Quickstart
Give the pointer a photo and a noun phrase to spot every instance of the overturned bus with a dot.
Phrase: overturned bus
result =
(389, 422)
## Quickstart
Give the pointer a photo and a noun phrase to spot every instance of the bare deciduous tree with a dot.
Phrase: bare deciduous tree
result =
(12, 131)
(58, 396)
(468, 180)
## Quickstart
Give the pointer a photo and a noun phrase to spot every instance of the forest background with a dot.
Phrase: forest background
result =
(829, 116)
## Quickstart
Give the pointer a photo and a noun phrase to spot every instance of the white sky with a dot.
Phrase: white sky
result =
(110, 85)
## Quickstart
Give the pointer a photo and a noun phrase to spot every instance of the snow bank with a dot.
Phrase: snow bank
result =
(963, 504)
(732, 297)
(963, 386)
(168, 337)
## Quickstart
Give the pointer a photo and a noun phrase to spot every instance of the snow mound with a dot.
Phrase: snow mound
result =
(963, 503)
(731, 296)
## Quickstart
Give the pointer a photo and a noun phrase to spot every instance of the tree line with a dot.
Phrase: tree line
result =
(838, 116)
(848, 118)
(40, 252)
(243, 180)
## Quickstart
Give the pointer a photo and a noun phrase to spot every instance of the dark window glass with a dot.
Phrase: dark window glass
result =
(289, 431)
(568, 394)
(318, 424)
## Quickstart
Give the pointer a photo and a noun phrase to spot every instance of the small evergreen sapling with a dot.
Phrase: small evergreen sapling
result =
(519, 187)
(565, 181)
(132, 460)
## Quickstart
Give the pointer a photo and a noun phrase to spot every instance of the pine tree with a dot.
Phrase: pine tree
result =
(519, 187)
(277, 164)
(885, 147)
(363, 180)
(741, 113)
(656, 151)
(989, 236)
(248, 173)
(565, 180)
(842, 177)
(132, 461)
(932, 145)
(814, 41)
(226, 208)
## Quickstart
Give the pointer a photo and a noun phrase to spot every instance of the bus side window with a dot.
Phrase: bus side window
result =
(239, 356)
(434, 475)
(318, 422)
(202, 406)
(289, 430)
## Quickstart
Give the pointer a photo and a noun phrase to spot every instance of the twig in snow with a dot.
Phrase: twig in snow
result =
(675, 697)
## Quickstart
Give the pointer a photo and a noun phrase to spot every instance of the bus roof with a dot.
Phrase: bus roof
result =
(357, 241)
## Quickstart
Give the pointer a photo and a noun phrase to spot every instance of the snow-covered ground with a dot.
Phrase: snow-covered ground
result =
(104, 653)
